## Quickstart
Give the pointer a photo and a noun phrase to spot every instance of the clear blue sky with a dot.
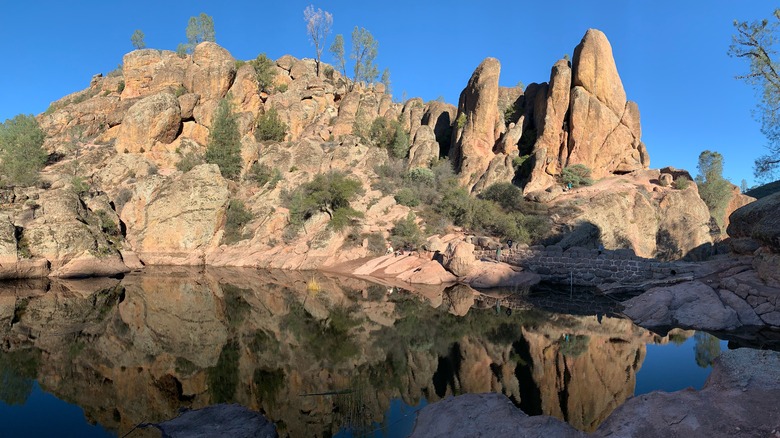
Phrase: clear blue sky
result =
(671, 55)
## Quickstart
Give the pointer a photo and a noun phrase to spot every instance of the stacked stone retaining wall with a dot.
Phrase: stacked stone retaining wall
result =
(589, 267)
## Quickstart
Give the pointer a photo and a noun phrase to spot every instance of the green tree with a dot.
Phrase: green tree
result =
(713, 189)
(337, 50)
(199, 29)
(386, 80)
(318, 23)
(743, 187)
(264, 71)
(757, 42)
(138, 39)
(224, 146)
(21, 150)
(364, 51)
(329, 193)
(706, 349)
(270, 127)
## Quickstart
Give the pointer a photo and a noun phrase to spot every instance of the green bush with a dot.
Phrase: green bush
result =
(224, 146)
(509, 196)
(265, 70)
(21, 150)
(262, 174)
(327, 193)
(407, 197)
(421, 175)
(389, 135)
(460, 122)
(406, 233)
(576, 175)
(181, 90)
(237, 217)
(270, 127)
(681, 183)
(79, 186)
(281, 88)
(121, 87)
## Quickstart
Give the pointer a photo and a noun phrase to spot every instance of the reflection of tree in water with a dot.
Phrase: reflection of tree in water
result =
(328, 340)
(18, 370)
(223, 378)
(707, 348)
(574, 345)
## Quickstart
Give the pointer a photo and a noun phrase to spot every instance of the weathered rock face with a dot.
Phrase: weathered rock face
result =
(478, 123)
(633, 212)
(154, 119)
(424, 148)
(174, 221)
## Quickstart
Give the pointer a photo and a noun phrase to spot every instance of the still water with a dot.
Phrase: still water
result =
(319, 355)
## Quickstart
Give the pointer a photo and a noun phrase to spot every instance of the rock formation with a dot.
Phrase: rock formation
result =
(580, 117)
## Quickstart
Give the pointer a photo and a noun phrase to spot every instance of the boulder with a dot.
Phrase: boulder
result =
(151, 71)
(692, 305)
(459, 258)
(153, 119)
(478, 123)
(212, 71)
(665, 180)
(489, 274)
(759, 220)
(440, 116)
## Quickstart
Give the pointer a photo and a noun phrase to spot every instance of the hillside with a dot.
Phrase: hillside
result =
(128, 182)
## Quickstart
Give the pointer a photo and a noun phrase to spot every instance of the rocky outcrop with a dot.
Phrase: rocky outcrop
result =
(175, 221)
(635, 211)
(759, 220)
(478, 123)
(154, 119)
(580, 117)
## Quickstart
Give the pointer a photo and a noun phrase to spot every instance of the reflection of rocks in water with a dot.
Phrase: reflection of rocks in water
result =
(311, 360)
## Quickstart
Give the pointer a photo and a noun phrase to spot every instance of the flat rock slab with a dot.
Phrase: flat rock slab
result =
(223, 421)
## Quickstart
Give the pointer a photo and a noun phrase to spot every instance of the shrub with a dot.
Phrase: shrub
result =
(224, 146)
(329, 72)
(188, 161)
(407, 197)
(460, 122)
(237, 217)
(21, 150)
(376, 243)
(576, 175)
(265, 70)
(388, 135)
(681, 183)
(281, 88)
(181, 90)
(511, 114)
(421, 175)
(406, 233)
(262, 174)
(509, 196)
(121, 87)
(79, 186)
(107, 225)
(327, 193)
(270, 127)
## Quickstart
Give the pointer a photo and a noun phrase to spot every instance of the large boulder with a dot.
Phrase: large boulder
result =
(150, 71)
(478, 123)
(153, 119)
(424, 148)
(212, 71)
(759, 220)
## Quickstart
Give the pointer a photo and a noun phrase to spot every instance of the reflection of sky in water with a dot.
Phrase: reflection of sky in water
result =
(44, 415)
(398, 422)
(674, 367)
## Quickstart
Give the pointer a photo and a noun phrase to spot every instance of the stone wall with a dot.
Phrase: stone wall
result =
(590, 267)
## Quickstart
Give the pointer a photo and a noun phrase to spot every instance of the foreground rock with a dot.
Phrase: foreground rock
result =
(741, 398)
(724, 295)
(490, 415)
(227, 421)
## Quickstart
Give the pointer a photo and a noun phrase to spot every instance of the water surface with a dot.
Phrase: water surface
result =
(318, 355)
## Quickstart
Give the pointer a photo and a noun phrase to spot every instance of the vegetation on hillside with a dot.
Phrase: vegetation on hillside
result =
(329, 193)
(21, 151)
(224, 146)
(199, 29)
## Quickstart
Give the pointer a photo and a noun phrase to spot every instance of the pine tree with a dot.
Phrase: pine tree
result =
(224, 147)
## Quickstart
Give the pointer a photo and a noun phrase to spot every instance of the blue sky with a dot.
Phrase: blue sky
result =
(671, 55)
